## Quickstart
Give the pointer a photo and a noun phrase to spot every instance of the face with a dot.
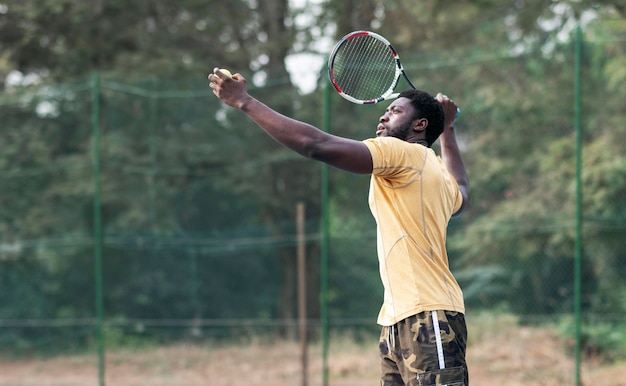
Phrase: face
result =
(397, 121)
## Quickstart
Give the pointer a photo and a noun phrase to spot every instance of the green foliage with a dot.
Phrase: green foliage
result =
(116, 338)
(602, 337)
(198, 204)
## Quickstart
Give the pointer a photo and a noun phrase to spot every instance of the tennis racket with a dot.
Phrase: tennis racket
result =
(364, 68)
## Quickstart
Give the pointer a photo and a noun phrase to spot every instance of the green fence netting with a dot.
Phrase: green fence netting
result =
(193, 209)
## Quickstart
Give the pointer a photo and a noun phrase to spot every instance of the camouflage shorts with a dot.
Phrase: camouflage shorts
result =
(409, 355)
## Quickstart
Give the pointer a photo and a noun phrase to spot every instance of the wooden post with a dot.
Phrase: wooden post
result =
(302, 290)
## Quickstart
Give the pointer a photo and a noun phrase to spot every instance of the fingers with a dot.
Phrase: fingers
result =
(229, 89)
(445, 100)
(213, 82)
(450, 108)
(222, 74)
(442, 98)
(216, 79)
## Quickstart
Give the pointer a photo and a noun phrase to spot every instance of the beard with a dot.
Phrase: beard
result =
(400, 132)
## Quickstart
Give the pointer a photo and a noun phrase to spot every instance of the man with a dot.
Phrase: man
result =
(413, 194)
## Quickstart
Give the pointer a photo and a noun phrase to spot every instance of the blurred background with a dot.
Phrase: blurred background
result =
(137, 211)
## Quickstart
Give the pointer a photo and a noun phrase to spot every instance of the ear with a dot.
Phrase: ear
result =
(420, 124)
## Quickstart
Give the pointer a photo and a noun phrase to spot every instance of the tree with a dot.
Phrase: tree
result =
(156, 158)
(183, 171)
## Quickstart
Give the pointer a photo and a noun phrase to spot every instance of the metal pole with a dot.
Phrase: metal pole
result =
(97, 221)
(325, 236)
(153, 157)
(579, 216)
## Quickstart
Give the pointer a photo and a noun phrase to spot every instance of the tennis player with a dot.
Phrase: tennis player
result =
(413, 194)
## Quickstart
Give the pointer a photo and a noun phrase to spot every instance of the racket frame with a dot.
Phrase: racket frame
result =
(399, 70)
(389, 93)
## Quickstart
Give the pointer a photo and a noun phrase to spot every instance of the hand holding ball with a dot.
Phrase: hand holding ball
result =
(230, 91)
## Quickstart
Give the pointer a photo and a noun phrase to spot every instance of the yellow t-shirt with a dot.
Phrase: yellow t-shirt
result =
(412, 197)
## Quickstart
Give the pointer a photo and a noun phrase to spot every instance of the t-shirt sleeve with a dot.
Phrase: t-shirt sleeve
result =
(376, 152)
(390, 156)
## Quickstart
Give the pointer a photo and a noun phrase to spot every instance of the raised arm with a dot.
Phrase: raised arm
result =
(450, 152)
(303, 138)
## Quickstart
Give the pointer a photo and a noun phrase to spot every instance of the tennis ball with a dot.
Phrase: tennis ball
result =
(225, 72)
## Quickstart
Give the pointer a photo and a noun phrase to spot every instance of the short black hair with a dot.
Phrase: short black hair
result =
(426, 106)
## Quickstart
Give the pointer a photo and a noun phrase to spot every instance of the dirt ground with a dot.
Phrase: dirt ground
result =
(512, 356)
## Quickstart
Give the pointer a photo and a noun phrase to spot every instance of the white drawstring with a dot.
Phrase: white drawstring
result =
(442, 363)
(391, 339)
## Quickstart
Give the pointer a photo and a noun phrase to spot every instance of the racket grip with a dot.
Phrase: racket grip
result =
(458, 112)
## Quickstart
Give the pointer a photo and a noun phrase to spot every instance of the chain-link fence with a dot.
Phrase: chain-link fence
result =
(143, 213)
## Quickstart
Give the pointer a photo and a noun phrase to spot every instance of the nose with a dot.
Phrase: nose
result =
(383, 118)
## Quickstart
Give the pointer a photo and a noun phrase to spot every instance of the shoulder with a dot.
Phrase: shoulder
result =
(390, 144)
(394, 153)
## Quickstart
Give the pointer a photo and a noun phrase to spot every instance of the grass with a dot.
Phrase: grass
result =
(501, 352)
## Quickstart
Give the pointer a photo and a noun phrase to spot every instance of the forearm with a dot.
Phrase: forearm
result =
(306, 140)
(453, 161)
(296, 135)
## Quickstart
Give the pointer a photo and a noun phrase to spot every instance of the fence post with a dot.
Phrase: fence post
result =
(97, 220)
(579, 216)
(302, 306)
(324, 241)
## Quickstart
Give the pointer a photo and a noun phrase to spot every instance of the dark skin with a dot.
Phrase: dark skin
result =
(343, 153)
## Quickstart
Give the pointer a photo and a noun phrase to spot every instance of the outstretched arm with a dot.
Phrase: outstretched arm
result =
(304, 139)
(450, 151)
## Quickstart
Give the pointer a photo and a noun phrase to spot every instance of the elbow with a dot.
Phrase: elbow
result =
(313, 150)
(465, 194)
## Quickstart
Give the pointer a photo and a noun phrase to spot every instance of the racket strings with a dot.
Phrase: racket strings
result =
(365, 68)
